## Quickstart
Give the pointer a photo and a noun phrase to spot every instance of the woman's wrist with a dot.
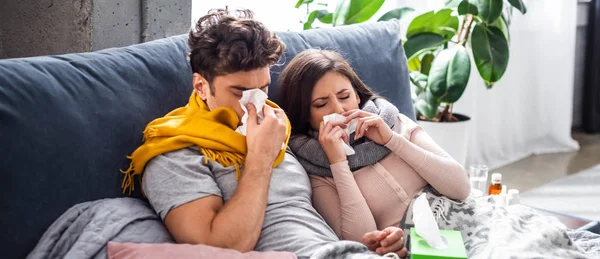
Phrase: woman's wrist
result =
(341, 166)
(335, 160)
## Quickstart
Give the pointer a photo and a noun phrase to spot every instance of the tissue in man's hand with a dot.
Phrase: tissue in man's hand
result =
(256, 97)
(425, 224)
(349, 130)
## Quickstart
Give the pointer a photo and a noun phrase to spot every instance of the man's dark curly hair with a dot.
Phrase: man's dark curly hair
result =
(228, 41)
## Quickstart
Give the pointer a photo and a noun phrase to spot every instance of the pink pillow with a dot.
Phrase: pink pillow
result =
(132, 250)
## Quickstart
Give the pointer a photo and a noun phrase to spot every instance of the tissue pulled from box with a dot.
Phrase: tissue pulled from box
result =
(351, 128)
(256, 97)
(426, 225)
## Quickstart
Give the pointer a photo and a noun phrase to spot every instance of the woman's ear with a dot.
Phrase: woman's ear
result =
(357, 97)
(201, 86)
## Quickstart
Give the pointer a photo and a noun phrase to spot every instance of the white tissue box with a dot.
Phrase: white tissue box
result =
(419, 249)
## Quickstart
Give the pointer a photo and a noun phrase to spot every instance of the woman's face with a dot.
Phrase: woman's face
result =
(333, 93)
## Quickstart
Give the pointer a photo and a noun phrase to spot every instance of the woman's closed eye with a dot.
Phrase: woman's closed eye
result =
(319, 105)
(345, 97)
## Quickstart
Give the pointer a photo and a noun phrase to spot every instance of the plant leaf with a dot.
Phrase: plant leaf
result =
(427, 104)
(328, 18)
(301, 2)
(519, 5)
(362, 10)
(489, 10)
(419, 80)
(434, 23)
(467, 8)
(449, 74)
(414, 64)
(339, 15)
(501, 24)
(416, 44)
(426, 63)
(490, 51)
(452, 3)
(450, 27)
(398, 13)
(314, 15)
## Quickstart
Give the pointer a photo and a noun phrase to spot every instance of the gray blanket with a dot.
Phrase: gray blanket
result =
(84, 230)
(489, 231)
(492, 230)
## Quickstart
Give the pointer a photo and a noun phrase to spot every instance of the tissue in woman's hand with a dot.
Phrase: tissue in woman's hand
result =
(425, 224)
(349, 129)
(256, 97)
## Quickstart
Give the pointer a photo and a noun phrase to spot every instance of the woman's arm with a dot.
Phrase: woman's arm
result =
(415, 146)
(342, 204)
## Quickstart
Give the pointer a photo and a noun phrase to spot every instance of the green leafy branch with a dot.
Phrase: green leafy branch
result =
(440, 60)
(439, 45)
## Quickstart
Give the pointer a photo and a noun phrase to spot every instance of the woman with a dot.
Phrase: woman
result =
(395, 159)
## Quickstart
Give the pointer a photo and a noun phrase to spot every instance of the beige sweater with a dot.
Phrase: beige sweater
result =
(376, 196)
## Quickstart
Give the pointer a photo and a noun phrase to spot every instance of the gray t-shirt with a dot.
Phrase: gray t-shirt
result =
(291, 223)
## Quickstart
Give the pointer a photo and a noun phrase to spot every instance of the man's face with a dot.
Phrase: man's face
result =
(228, 88)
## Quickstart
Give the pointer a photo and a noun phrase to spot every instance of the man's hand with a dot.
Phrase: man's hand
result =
(267, 137)
(385, 241)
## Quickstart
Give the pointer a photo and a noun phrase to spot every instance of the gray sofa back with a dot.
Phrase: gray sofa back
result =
(68, 122)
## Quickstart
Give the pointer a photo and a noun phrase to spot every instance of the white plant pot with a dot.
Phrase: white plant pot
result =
(453, 137)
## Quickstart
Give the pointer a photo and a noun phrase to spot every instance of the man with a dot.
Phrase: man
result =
(213, 186)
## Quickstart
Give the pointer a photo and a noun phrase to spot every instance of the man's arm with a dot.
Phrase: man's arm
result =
(238, 223)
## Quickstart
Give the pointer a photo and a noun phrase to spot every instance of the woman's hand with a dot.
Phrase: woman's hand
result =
(369, 125)
(329, 137)
(389, 240)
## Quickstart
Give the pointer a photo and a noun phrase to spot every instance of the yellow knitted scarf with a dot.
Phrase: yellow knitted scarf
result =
(213, 132)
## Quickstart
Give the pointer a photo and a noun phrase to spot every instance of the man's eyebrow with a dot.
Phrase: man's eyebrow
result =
(239, 87)
(243, 88)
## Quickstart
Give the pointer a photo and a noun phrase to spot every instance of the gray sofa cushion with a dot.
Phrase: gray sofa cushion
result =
(68, 122)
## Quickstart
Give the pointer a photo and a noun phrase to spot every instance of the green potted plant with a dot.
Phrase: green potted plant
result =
(439, 47)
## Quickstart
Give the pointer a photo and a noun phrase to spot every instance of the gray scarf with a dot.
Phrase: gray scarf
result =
(308, 150)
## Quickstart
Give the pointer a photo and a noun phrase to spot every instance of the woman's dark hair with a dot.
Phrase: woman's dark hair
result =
(300, 76)
(225, 42)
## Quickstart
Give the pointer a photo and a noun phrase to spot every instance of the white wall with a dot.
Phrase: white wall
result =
(277, 15)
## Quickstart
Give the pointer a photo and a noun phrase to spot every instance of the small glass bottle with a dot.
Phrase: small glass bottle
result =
(496, 186)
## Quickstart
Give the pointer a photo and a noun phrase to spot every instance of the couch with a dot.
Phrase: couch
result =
(67, 122)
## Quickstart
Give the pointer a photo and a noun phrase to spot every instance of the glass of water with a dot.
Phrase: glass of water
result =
(478, 178)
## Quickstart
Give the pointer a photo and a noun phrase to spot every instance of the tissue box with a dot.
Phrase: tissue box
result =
(419, 249)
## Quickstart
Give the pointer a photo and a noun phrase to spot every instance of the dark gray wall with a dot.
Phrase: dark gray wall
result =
(159, 22)
(115, 23)
(45, 27)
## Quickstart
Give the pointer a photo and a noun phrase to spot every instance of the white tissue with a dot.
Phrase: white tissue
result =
(425, 224)
(256, 97)
(351, 128)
